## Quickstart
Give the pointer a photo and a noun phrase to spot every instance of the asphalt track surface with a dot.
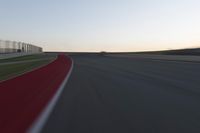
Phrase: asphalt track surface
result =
(124, 95)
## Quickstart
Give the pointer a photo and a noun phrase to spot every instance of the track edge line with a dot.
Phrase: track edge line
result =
(39, 123)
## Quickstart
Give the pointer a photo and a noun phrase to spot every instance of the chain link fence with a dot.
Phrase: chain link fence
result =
(9, 47)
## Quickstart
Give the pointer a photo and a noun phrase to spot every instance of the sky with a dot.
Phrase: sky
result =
(102, 25)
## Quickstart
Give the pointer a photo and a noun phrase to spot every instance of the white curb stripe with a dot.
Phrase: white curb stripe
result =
(43, 117)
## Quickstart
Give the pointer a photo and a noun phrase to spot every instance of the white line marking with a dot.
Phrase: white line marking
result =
(43, 117)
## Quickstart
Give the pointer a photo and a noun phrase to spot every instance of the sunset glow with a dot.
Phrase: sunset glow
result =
(102, 25)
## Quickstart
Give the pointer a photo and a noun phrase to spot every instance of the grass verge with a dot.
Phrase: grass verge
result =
(27, 57)
(12, 70)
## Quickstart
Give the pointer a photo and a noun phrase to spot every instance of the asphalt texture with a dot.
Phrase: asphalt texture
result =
(124, 95)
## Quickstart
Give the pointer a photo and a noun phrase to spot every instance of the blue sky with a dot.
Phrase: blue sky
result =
(102, 25)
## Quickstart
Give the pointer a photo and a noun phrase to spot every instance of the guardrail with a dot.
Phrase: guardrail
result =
(9, 49)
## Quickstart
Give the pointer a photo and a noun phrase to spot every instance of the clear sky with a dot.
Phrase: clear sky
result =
(102, 25)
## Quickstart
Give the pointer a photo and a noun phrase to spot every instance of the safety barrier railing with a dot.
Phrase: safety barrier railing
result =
(11, 47)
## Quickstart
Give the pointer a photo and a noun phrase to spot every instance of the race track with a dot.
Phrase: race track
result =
(122, 95)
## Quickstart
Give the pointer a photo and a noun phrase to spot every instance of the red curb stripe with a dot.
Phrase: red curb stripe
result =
(24, 97)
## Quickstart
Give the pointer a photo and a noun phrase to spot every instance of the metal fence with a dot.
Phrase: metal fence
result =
(7, 47)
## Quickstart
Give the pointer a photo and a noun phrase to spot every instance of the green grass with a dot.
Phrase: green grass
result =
(27, 57)
(12, 70)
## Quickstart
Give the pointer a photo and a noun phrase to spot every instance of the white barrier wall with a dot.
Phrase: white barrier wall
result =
(10, 47)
